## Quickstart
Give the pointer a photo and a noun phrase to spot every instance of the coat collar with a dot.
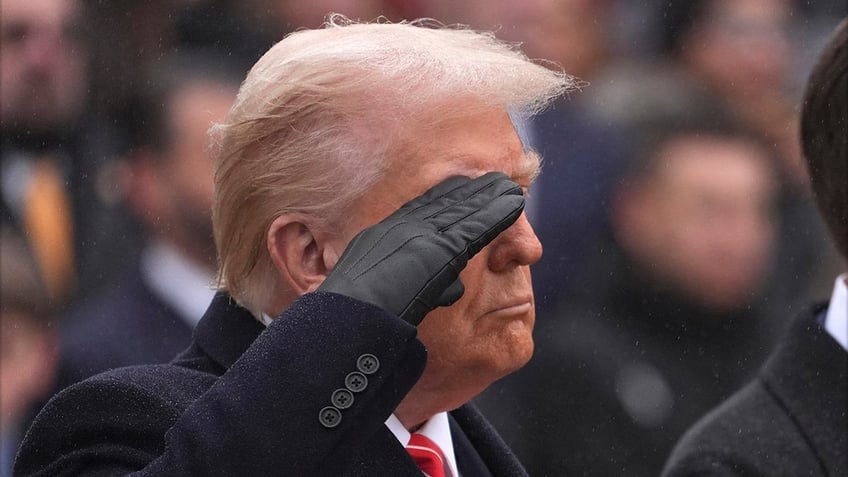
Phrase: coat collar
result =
(226, 330)
(478, 448)
(808, 373)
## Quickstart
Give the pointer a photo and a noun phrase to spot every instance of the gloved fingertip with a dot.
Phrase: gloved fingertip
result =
(453, 293)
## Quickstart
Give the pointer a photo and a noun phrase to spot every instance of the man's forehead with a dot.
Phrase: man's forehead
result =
(471, 143)
(523, 166)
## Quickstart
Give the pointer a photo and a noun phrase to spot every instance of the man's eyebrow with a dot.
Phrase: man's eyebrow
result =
(530, 166)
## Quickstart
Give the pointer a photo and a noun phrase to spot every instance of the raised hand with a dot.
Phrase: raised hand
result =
(409, 263)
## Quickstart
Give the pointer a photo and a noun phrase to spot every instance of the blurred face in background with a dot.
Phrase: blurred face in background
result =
(741, 47)
(172, 190)
(42, 64)
(702, 222)
(568, 32)
(189, 175)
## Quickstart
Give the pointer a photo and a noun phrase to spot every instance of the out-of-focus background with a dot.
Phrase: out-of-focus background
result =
(673, 204)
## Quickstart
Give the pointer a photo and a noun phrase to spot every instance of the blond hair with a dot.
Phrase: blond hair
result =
(314, 119)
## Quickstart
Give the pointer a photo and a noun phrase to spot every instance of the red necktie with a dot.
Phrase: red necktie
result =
(427, 455)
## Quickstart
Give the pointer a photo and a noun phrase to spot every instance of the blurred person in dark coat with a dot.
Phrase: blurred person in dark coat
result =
(374, 272)
(737, 56)
(670, 324)
(741, 54)
(58, 188)
(28, 343)
(793, 418)
(146, 315)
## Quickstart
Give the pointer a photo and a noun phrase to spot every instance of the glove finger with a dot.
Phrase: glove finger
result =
(434, 199)
(453, 293)
(469, 235)
(465, 240)
(471, 205)
(432, 204)
(444, 289)
(477, 208)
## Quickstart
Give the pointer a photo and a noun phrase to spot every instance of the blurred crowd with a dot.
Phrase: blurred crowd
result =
(673, 204)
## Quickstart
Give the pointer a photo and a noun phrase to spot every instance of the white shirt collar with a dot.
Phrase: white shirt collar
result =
(180, 283)
(437, 429)
(836, 322)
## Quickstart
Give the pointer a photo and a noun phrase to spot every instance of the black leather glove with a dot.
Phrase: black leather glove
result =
(409, 263)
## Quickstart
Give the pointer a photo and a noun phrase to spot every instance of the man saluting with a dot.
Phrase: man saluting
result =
(373, 272)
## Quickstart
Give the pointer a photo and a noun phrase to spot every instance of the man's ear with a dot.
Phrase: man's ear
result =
(298, 253)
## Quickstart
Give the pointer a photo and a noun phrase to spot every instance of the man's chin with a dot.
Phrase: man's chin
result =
(516, 358)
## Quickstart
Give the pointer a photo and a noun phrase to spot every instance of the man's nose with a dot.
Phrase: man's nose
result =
(517, 245)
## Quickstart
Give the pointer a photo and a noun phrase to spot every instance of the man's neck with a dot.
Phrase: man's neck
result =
(432, 395)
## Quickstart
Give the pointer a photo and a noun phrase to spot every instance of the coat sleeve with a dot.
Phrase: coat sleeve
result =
(261, 417)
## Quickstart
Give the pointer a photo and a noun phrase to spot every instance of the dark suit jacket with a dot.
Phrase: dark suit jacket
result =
(790, 421)
(245, 400)
(126, 325)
